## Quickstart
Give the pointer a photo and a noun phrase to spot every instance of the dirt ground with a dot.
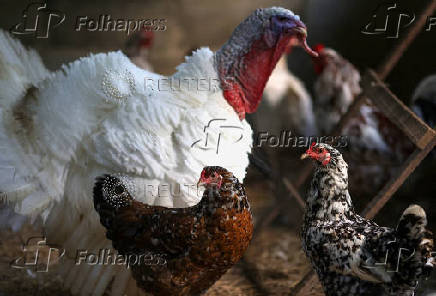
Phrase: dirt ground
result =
(272, 265)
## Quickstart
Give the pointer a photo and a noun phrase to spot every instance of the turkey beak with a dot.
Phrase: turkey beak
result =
(304, 156)
(301, 31)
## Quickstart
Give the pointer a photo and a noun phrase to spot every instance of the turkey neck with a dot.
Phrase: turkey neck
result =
(245, 63)
(328, 197)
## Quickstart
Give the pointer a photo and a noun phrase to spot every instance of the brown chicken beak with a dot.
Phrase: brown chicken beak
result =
(304, 156)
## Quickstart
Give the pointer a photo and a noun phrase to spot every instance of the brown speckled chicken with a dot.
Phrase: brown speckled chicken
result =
(199, 243)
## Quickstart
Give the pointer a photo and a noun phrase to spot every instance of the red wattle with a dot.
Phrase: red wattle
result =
(245, 93)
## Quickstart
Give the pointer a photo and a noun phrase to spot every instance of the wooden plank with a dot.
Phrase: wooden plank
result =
(294, 192)
(396, 111)
(309, 285)
(386, 193)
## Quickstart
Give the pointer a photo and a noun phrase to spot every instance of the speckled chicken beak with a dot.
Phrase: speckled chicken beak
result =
(304, 156)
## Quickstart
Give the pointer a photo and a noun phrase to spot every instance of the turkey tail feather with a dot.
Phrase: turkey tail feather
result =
(21, 71)
(20, 68)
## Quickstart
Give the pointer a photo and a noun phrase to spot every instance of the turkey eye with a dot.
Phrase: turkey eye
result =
(119, 189)
(283, 19)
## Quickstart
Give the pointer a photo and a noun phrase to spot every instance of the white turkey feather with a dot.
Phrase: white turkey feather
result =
(96, 115)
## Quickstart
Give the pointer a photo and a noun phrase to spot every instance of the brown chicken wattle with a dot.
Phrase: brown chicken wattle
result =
(198, 244)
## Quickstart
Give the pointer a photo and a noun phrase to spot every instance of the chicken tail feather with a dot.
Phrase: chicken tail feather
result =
(418, 241)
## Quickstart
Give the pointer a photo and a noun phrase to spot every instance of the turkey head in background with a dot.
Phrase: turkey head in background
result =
(138, 48)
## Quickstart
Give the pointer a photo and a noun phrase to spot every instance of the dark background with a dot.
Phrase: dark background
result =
(195, 23)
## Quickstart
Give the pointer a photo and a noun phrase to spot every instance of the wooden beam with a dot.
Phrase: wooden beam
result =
(294, 192)
(396, 111)
(307, 286)
(386, 193)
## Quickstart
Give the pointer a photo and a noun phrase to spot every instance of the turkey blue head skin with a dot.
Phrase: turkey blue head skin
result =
(282, 25)
(246, 61)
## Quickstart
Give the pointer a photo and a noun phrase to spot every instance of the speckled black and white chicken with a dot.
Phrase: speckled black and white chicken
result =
(353, 255)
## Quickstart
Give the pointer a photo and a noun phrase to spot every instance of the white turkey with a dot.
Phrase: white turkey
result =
(286, 109)
(286, 105)
(103, 115)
